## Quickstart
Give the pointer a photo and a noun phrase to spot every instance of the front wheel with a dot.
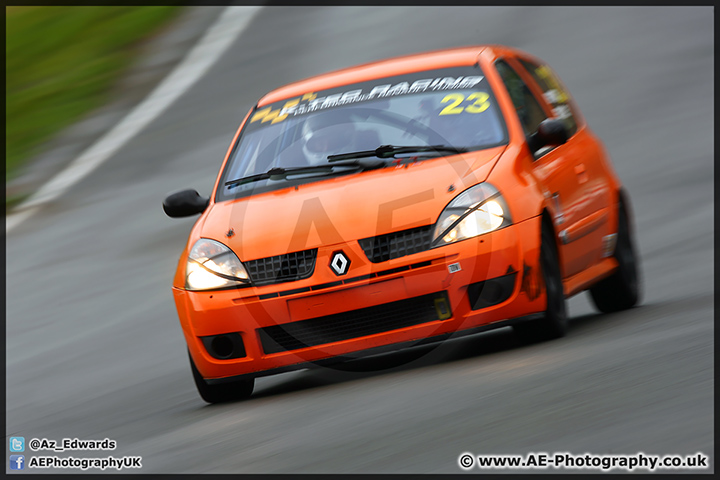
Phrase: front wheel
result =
(223, 392)
(554, 324)
(620, 291)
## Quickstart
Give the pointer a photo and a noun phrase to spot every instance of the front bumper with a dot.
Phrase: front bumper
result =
(403, 301)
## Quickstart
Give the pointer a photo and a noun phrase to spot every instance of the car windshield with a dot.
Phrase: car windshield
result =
(449, 108)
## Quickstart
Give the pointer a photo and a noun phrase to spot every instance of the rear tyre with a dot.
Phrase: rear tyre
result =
(223, 392)
(620, 291)
(555, 323)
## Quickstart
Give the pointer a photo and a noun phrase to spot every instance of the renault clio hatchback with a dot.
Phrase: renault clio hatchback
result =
(398, 203)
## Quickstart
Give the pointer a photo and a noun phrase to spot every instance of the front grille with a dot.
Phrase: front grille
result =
(397, 244)
(356, 323)
(282, 268)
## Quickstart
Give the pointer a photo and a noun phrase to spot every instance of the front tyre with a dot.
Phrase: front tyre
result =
(620, 291)
(223, 392)
(554, 324)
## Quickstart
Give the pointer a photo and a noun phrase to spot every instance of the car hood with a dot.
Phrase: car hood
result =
(346, 208)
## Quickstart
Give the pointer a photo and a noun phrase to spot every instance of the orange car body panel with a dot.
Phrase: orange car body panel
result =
(242, 311)
(335, 213)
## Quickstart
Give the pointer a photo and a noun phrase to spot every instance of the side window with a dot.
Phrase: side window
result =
(528, 108)
(554, 93)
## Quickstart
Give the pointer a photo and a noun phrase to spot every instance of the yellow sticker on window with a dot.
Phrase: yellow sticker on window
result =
(478, 102)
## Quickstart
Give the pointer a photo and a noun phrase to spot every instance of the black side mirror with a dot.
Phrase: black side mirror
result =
(550, 132)
(184, 204)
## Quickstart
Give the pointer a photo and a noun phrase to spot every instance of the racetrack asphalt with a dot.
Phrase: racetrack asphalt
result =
(94, 348)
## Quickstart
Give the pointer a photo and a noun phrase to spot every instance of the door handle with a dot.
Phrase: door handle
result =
(580, 171)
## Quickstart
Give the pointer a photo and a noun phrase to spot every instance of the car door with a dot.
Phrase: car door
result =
(562, 172)
(593, 195)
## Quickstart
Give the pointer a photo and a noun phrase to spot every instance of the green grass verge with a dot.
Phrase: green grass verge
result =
(61, 62)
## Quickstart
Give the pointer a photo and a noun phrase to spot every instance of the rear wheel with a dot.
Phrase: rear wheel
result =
(619, 291)
(555, 323)
(223, 392)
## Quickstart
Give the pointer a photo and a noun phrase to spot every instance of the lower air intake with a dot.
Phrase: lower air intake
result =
(356, 323)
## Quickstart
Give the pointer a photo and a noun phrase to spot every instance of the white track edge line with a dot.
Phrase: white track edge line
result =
(196, 63)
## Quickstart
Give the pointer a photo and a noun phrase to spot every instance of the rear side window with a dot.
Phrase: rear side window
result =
(555, 94)
(526, 105)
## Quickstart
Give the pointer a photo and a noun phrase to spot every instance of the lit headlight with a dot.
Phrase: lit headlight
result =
(478, 210)
(211, 265)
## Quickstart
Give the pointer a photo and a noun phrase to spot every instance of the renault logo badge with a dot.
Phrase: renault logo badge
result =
(339, 263)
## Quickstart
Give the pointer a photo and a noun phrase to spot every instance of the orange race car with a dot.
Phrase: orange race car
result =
(394, 204)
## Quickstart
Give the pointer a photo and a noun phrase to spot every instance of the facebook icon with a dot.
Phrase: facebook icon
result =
(17, 462)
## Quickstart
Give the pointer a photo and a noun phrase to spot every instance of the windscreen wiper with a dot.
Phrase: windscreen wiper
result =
(389, 151)
(279, 173)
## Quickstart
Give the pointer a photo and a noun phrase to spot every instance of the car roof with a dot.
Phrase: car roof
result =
(383, 68)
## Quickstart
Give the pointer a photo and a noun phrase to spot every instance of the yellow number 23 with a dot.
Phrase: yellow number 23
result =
(480, 104)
